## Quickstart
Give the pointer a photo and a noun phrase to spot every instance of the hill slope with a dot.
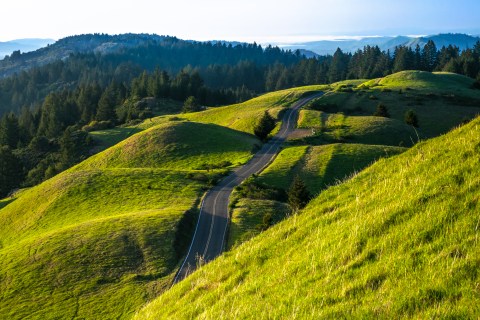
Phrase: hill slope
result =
(440, 100)
(400, 240)
(100, 239)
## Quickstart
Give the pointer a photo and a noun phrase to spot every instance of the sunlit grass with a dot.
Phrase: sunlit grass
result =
(399, 240)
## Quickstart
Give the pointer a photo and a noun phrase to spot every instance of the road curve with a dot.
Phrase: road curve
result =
(209, 238)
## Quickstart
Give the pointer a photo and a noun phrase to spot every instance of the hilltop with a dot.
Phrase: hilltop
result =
(397, 240)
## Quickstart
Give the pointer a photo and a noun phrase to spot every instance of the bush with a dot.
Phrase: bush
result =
(411, 118)
(325, 107)
(382, 111)
(98, 125)
(255, 190)
(191, 105)
(476, 85)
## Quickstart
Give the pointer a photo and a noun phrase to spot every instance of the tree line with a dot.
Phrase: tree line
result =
(45, 109)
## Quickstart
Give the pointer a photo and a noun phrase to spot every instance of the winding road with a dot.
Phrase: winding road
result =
(210, 233)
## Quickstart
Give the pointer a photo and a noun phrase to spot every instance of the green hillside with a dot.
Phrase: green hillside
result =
(241, 117)
(318, 166)
(399, 240)
(337, 127)
(440, 100)
(101, 239)
(177, 145)
(322, 166)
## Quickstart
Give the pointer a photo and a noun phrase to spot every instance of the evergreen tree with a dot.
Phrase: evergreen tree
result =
(11, 171)
(339, 66)
(191, 105)
(107, 103)
(411, 118)
(298, 195)
(429, 56)
(264, 126)
(381, 111)
(9, 130)
(68, 150)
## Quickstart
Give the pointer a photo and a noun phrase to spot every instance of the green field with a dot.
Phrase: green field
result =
(399, 240)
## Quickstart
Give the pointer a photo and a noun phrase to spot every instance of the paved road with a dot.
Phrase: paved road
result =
(210, 234)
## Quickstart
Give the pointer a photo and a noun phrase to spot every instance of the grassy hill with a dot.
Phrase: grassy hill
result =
(399, 240)
(318, 166)
(240, 117)
(337, 127)
(322, 166)
(101, 239)
(441, 100)
(178, 145)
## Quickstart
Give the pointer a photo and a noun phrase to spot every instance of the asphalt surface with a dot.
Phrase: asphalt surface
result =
(210, 233)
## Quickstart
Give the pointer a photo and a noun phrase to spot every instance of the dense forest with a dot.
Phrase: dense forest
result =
(47, 111)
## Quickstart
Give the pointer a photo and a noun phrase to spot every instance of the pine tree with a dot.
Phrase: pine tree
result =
(68, 150)
(298, 195)
(11, 172)
(264, 126)
(106, 105)
(429, 56)
(9, 130)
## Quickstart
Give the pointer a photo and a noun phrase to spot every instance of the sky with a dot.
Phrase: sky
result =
(242, 20)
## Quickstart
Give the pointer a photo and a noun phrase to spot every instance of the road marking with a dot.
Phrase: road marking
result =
(193, 238)
(212, 223)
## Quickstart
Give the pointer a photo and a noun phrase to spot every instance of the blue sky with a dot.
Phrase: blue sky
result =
(245, 20)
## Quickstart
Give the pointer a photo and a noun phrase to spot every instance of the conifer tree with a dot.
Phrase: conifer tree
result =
(264, 126)
(298, 195)
(11, 172)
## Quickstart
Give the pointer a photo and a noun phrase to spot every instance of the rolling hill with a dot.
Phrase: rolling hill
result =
(398, 240)
(104, 237)
(440, 100)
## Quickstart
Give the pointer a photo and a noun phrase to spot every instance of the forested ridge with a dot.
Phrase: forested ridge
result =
(47, 110)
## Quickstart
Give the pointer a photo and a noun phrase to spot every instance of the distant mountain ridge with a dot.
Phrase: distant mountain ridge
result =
(61, 49)
(328, 47)
(104, 44)
(24, 45)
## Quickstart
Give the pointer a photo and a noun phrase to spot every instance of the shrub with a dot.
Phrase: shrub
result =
(98, 125)
(411, 118)
(382, 111)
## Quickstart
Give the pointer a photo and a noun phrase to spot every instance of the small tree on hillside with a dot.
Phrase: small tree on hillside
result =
(411, 118)
(191, 105)
(264, 126)
(382, 111)
(298, 195)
